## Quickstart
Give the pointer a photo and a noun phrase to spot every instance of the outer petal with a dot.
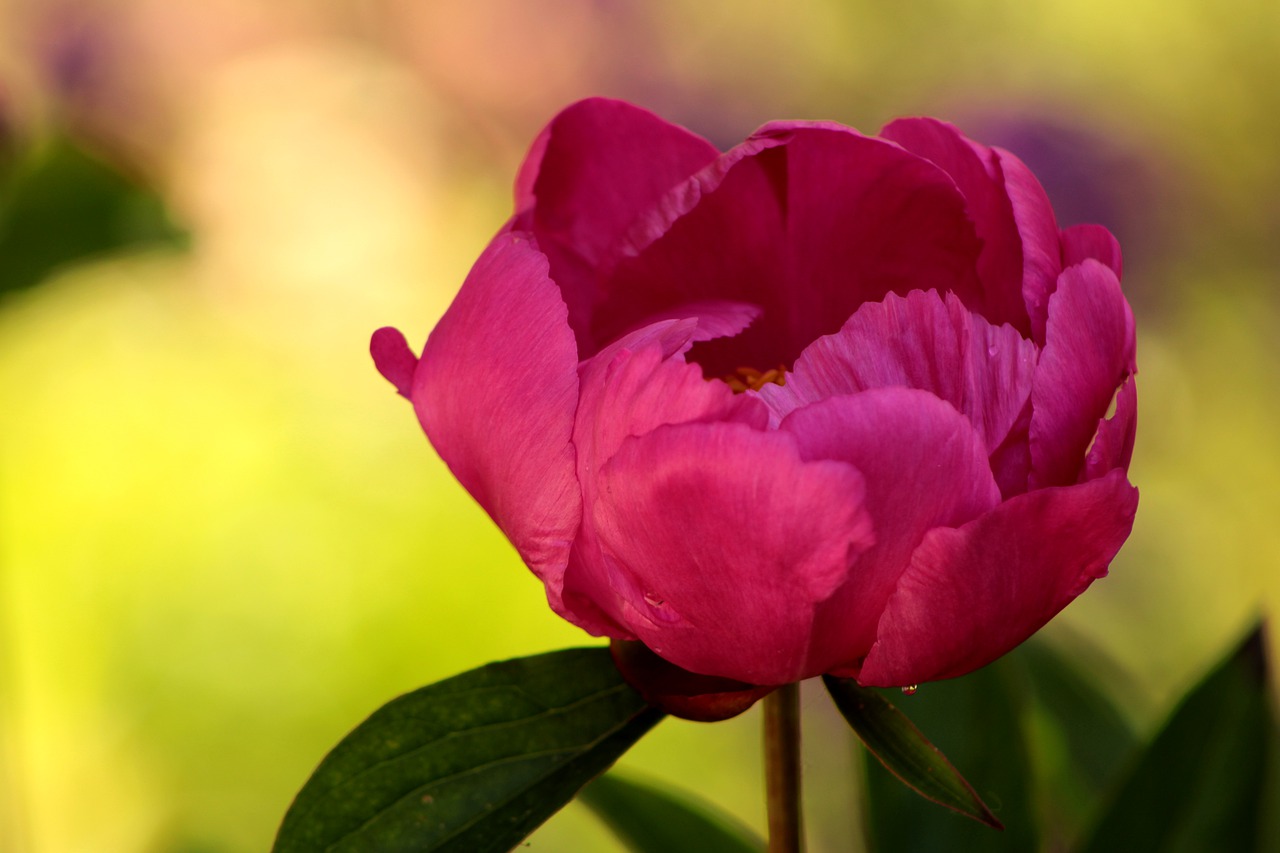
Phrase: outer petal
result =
(972, 594)
(1113, 444)
(630, 388)
(1041, 251)
(807, 221)
(919, 341)
(1088, 353)
(598, 164)
(1081, 242)
(496, 389)
(393, 358)
(591, 172)
(924, 466)
(977, 174)
(722, 541)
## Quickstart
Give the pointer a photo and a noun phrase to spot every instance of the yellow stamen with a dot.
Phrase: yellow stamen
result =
(748, 378)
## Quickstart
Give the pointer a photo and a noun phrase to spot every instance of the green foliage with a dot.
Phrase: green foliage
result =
(1201, 785)
(58, 204)
(473, 763)
(649, 819)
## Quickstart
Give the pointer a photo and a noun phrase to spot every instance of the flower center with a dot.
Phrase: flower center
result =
(748, 378)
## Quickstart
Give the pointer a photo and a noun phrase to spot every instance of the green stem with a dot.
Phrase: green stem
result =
(782, 769)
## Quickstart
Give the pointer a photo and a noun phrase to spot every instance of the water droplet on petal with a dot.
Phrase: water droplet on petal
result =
(910, 689)
(992, 350)
(653, 600)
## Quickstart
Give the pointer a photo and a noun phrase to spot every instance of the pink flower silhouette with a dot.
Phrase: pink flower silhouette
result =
(823, 403)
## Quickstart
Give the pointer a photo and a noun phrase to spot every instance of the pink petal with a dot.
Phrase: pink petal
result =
(592, 171)
(974, 593)
(919, 341)
(924, 467)
(1113, 444)
(719, 541)
(597, 165)
(1041, 251)
(976, 173)
(393, 358)
(807, 221)
(1080, 242)
(1089, 351)
(630, 388)
(496, 390)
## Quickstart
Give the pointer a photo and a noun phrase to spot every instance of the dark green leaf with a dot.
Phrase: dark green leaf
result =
(1081, 740)
(904, 751)
(61, 205)
(1200, 785)
(473, 763)
(649, 819)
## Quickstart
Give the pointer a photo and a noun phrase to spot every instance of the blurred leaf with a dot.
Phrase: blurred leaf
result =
(900, 747)
(1080, 738)
(1200, 784)
(473, 763)
(652, 820)
(1097, 735)
(60, 205)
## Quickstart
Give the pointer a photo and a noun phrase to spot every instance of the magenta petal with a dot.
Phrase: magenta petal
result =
(630, 388)
(393, 358)
(496, 390)
(920, 341)
(974, 169)
(1041, 250)
(597, 166)
(719, 541)
(600, 164)
(1081, 242)
(924, 466)
(1089, 350)
(806, 220)
(1113, 444)
(974, 593)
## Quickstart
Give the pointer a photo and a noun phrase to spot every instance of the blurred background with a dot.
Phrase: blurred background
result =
(223, 538)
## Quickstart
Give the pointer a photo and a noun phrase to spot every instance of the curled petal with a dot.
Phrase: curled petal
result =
(1038, 227)
(496, 389)
(1081, 242)
(806, 220)
(393, 358)
(972, 593)
(924, 466)
(976, 172)
(718, 541)
(1088, 353)
(919, 341)
(596, 166)
(1113, 444)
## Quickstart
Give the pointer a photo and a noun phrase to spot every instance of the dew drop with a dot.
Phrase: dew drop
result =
(910, 689)
(653, 600)
(992, 350)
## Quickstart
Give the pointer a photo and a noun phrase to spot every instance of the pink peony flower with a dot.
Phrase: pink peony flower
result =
(823, 403)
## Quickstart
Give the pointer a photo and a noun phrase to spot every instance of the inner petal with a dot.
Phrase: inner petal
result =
(925, 341)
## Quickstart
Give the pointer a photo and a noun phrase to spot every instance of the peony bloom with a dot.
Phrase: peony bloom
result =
(823, 403)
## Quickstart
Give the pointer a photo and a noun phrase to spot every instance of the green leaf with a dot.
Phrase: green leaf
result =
(473, 763)
(1200, 785)
(1080, 739)
(59, 205)
(649, 819)
(904, 751)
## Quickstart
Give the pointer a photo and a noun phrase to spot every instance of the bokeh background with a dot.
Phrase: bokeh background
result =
(223, 538)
